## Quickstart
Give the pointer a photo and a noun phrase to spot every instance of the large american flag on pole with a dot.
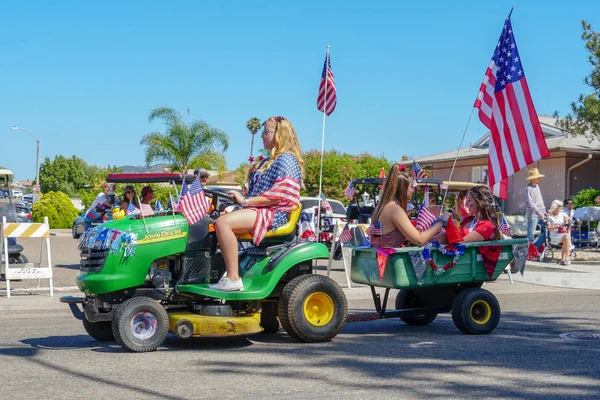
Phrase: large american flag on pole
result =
(193, 203)
(327, 92)
(506, 109)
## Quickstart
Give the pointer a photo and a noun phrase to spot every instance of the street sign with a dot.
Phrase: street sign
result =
(36, 188)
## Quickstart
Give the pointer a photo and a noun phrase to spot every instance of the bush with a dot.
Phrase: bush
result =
(57, 207)
(585, 198)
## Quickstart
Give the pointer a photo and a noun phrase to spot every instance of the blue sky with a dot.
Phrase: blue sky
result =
(83, 76)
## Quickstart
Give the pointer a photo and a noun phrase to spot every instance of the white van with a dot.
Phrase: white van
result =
(17, 193)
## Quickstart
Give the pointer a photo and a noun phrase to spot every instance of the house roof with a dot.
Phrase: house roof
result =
(555, 138)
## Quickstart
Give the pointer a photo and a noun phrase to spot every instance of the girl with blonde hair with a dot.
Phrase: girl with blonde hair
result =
(274, 191)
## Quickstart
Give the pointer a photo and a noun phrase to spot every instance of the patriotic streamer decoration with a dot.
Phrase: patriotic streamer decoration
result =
(447, 250)
(109, 239)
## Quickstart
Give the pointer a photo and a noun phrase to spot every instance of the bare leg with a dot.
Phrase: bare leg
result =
(564, 250)
(241, 221)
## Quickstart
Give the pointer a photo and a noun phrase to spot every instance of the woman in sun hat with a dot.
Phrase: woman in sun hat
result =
(534, 203)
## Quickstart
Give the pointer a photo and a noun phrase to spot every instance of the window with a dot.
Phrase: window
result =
(479, 174)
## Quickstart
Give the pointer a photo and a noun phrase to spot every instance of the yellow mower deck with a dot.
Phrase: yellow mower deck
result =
(186, 324)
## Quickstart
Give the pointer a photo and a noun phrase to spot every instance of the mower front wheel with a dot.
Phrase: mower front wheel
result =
(312, 308)
(140, 324)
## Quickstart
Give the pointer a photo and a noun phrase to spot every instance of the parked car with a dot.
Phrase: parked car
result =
(23, 213)
(338, 209)
(17, 193)
(28, 198)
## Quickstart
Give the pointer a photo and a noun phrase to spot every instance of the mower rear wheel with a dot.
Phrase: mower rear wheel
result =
(312, 308)
(140, 324)
(101, 331)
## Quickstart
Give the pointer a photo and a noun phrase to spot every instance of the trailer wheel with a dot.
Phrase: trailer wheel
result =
(140, 324)
(101, 331)
(312, 308)
(406, 299)
(475, 311)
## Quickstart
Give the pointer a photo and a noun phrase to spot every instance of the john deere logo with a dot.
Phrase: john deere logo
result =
(162, 236)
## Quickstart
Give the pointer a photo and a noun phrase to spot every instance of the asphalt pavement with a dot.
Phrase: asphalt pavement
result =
(532, 354)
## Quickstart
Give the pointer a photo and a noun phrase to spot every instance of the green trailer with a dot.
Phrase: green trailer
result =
(437, 279)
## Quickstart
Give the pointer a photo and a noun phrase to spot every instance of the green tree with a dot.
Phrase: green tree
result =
(57, 207)
(253, 126)
(63, 174)
(338, 170)
(185, 146)
(584, 118)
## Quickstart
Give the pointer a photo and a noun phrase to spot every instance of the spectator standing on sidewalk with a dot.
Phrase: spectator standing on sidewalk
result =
(534, 203)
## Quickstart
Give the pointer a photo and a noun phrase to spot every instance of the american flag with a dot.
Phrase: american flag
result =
(506, 109)
(374, 229)
(324, 203)
(132, 209)
(426, 196)
(346, 234)
(146, 209)
(350, 191)
(417, 172)
(327, 92)
(193, 202)
(425, 218)
(504, 228)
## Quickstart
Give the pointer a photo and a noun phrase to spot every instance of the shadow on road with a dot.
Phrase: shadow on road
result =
(68, 266)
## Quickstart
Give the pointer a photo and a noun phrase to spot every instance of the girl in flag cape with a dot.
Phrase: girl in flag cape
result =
(274, 191)
(392, 225)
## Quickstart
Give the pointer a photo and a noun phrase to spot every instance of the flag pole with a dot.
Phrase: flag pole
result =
(142, 213)
(322, 148)
(442, 209)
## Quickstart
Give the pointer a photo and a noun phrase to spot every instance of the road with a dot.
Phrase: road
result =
(45, 353)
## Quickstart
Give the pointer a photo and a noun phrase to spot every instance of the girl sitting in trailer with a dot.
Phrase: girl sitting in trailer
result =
(481, 222)
(391, 226)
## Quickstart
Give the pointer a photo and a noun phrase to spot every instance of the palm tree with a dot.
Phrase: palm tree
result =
(185, 146)
(253, 126)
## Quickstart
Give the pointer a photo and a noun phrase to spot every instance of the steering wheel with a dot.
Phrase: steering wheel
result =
(221, 198)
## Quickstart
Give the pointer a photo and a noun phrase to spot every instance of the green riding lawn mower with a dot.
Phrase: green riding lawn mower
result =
(144, 277)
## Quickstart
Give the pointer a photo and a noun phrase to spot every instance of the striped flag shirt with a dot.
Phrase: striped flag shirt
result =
(193, 203)
(506, 109)
(327, 98)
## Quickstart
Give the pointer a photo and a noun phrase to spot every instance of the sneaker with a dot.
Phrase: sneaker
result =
(568, 262)
(227, 285)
